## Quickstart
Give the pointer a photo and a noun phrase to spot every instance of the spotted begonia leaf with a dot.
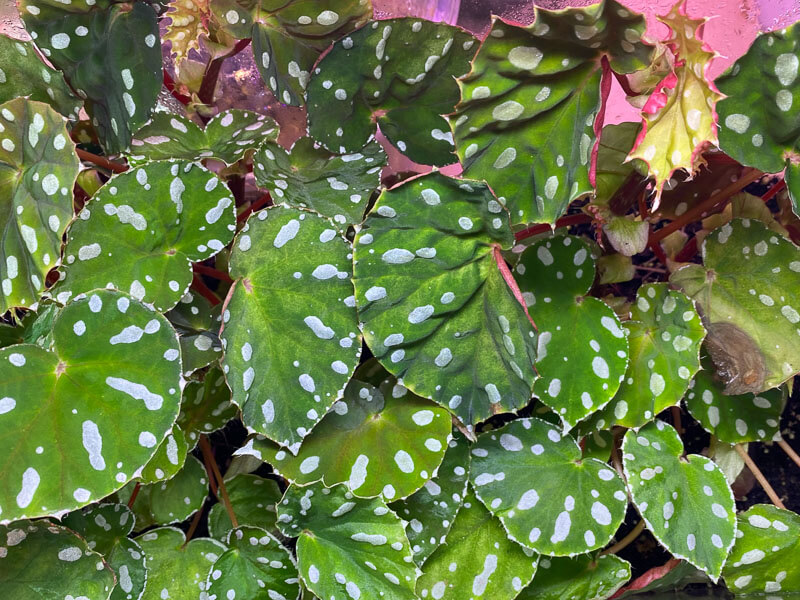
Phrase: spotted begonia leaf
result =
(296, 260)
(176, 568)
(664, 335)
(110, 54)
(395, 74)
(45, 561)
(665, 484)
(555, 276)
(436, 309)
(38, 168)
(598, 444)
(254, 501)
(759, 122)
(157, 220)
(431, 511)
(168, 459)
(206, 407)
(734, 419)
(527, 107)
(105, 528)
(586, 577)
(336, 186)
(26, 75)
(678, 120)
(347, 546)
(749, 291)
(550, 513)
(478, 560)
(255, 565)
(197, 324)
(226, 137)
(188, 21)
(77, 422)
(764, 557)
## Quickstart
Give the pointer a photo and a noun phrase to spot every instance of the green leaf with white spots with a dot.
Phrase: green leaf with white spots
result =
(168, 459)
(584, 577)
(759, 124)
(552, 513)
(598, 445)
(347, 546)
(692, 489)
(254, 501)
(110, 54)
(177, 569)
(206, 406)
(431, 511)
(397, 75)
(478, 561)
(555, 276)
(295, 260)
(664, 336)
(44, 561)
(31, 78)
(527, 107)
(105, 528)
(38, 168)
(308, 176)
(437, 312)
(79, 421)
(226, 137)
(255, 565)
(749, 292)
(157, 219)
(197, 324)
(764, 557)
(734, 419)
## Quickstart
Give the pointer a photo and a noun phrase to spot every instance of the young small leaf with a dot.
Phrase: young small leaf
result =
(206, 406)
(197, 324)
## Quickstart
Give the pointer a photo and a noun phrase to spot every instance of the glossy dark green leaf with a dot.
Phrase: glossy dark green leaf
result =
(206, 406)
(254, 501)
(169, 458)
(585, 577)
(197, 324)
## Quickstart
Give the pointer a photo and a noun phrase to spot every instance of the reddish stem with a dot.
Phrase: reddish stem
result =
(649, 577)
(605, 90)
(202, 289)
(169, 83)
(254, 206)
(688, 251)
(211, 462)
(134, 493)
(510, 281)
(211, 272)
(209, 83)
(774, 190)
(101, 161)
(193, 526)
(578, 219)
(623, 83)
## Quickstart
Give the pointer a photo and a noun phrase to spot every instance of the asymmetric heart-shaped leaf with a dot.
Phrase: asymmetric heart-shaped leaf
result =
(197, 324)
(168, 459)
(477, 559)
(397, 75)
(436, 310)
(527, 107)
(763, 559)
(45, 561)
(110, 54)
(254, 501)
(294, 260)
(31, 78)
(206, 407)
(749, 291)
(255, 565)
(663, 483)
(177, 569)
(105, 527)
(550, 512)
(226, 137)
(431, 511)
(347, 545)
(585, 576)
(156, 219)
(188, 21)
(555, 276)
(336, 186)
(38, 168)
(78, 422)
(664, 336)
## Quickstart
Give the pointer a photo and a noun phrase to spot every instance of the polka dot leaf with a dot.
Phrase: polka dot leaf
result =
(436, 310)
(169, 458)
(80, 420)
(749, 291)
(692, 489)
(572, 506)
(524, 123)
(110, 54)
(254, 501)
(206, 406)
(347, 546)
(578, 374)
(585, 576)
(763, 558)
(226, 137)
(38, 168)
(197, 324)
(336, 186)
(478, 560)
(157, 219)
(296, 260)
(255, 565)
(395, 74)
